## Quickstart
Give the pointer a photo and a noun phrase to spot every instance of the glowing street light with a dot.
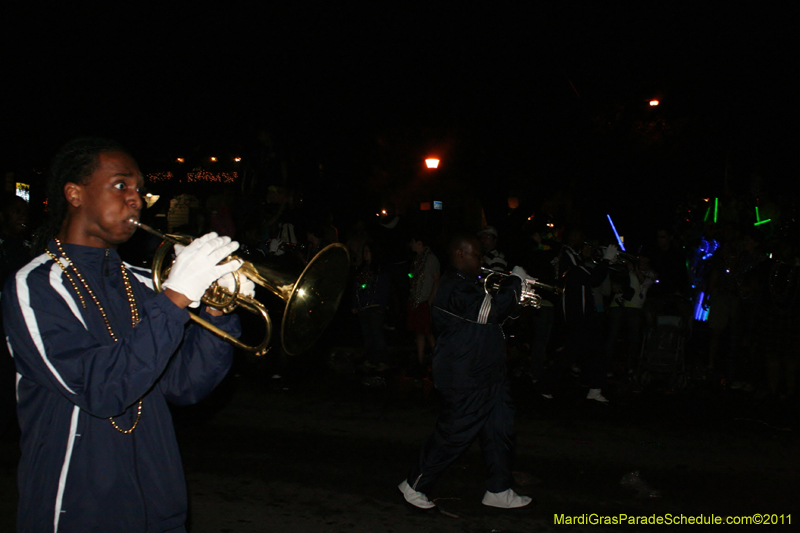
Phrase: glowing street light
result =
(654, 103)
(432, 162)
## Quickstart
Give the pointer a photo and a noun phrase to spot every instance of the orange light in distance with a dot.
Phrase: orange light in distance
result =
(432, 162)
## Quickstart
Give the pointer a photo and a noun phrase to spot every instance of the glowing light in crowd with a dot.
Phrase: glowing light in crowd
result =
(154, 177)
(205, 175)
(432, 162)
(180, 160)
(700, 310)
(237, 159)
(621, 244)
(758, 218)
(213, 159)
(707, 248)
(23, 190)
(151, 199)
(654, 103)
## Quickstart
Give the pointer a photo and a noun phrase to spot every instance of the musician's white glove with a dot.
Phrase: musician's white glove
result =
(246, 285)
(178, 249)
(196, 266)
(520, 273)
(611, 253)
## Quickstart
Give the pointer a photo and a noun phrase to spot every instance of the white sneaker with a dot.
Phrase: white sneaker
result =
(508, 499)
(595, 394)
(417, 499)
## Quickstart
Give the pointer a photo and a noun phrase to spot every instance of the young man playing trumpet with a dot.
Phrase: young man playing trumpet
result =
(469, 371)
(99, 355)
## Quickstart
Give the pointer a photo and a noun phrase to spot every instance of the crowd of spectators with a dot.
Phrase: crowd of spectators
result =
(742, 278)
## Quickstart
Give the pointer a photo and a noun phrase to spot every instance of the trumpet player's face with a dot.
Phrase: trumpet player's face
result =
(101, 207)
(470, 258)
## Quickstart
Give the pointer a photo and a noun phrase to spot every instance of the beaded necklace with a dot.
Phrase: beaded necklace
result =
(131, 303)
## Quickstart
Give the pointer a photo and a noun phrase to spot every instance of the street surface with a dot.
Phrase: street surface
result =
(322, 449)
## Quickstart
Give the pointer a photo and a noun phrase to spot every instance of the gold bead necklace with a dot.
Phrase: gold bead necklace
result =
(131, 303)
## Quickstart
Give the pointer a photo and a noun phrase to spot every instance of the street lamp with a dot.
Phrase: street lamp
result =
(432, 162)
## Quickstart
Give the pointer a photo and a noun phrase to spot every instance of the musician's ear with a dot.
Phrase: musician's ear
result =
(74, 194)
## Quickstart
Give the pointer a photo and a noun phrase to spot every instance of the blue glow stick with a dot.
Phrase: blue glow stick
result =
(621, 246)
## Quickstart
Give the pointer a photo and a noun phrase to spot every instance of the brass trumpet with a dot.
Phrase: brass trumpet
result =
(529, 296)
(311, 297)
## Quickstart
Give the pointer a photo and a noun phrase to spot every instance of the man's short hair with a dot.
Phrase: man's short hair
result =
(457, 242)
(74, 163)
(488, 230)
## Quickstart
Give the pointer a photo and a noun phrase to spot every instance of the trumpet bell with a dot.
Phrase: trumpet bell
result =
(311, 298)
(315, 298)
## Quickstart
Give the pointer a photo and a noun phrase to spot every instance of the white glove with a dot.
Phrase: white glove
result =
(520, 273)
(195, 267)
(611, 253)
(246, 285)
(178, 249)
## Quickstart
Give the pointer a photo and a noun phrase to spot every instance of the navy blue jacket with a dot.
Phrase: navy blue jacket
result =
(577, 300)
(470, 349)
(77, 472)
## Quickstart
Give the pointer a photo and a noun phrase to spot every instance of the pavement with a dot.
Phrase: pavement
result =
(323, 447)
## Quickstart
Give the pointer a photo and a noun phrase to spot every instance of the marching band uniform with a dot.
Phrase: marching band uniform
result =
(79, 365)
(582, 320)
(469, 370)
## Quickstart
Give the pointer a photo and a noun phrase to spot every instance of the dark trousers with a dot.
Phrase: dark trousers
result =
(372, 320)
(541, 326)
(487, 413)
(584, 347)
(630, 319)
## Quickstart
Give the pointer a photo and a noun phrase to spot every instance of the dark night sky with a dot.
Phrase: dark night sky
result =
(556, 92)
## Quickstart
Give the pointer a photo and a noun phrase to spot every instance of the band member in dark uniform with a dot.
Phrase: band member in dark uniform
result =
(469, 370)
(99, 355)
(581, 318)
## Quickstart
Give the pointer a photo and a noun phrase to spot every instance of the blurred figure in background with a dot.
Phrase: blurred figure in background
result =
(370, 299)
(425, 271)
(15, 252)
(626, 313)
(493, 259)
